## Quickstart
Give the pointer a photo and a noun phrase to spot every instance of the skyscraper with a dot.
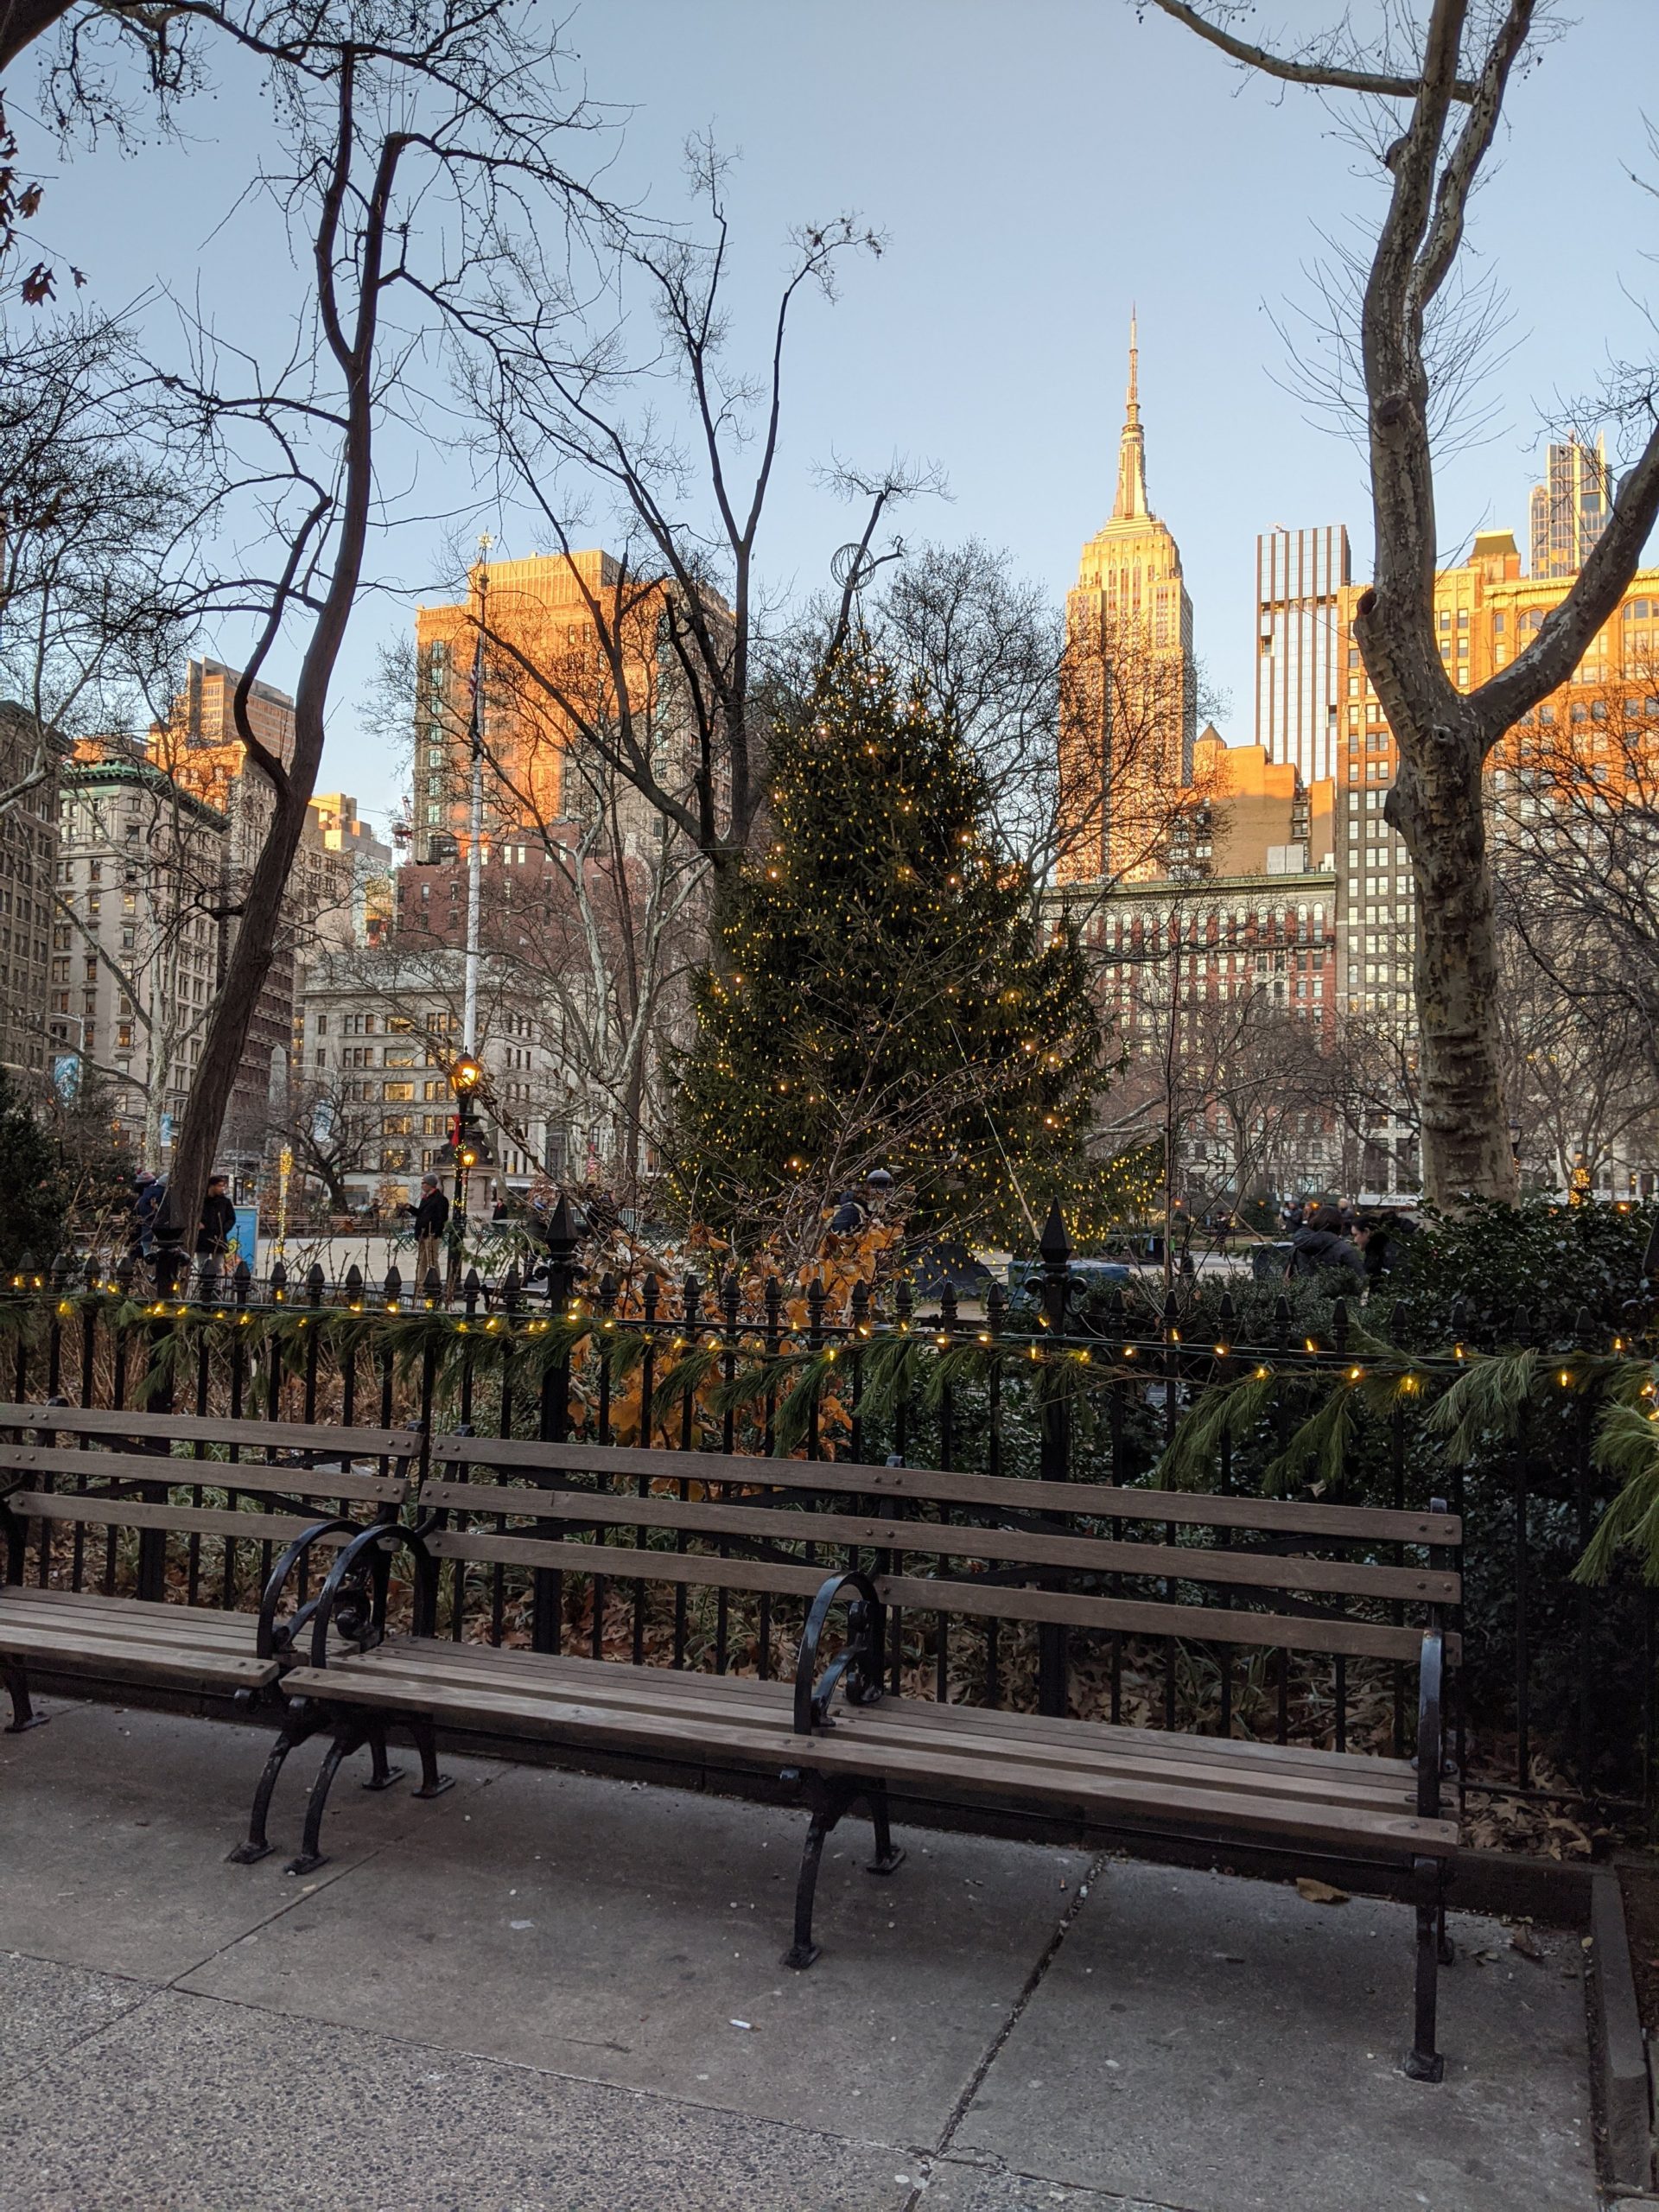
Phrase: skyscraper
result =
(1569, 510)
(1299, 575)
(1129, 716)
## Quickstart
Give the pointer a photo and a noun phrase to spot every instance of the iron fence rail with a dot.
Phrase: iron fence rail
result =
(1560, 1703)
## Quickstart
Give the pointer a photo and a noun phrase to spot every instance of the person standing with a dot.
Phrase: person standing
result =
(216, 1227)
(431, 1219)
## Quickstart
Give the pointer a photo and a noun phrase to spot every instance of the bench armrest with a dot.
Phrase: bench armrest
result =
(860, 1656)
(354, 1598)
(1430, 1721)
(274, 1641)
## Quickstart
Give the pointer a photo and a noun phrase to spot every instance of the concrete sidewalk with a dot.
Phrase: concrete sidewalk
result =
(550, 1993)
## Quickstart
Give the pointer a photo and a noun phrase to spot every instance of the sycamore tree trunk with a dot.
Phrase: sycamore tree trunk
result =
(340, 243)
(1437, 806)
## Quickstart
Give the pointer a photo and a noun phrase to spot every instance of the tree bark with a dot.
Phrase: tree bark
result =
(255, 938)
(22, 22)
(1437, 806)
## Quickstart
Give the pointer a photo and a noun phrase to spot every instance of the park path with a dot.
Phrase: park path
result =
(553, 1993)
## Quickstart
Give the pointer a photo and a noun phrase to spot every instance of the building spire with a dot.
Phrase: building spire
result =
(1130, 506)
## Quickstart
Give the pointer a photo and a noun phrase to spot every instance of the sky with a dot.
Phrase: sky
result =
(1035, 170)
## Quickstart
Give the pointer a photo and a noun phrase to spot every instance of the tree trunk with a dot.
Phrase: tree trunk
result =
(1438, 807)
(245, 978)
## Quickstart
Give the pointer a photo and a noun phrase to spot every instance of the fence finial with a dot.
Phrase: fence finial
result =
(1054, 1245)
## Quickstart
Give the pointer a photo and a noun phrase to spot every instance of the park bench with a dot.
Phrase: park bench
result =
(93, 1475)
(876, 1542)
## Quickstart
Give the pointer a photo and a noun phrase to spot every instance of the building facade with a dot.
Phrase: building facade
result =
(1300, 575)
(573, 645)
(1129, 708)
(366, 880)
(28, 854)
(134, 956)
(381, 1033)
(1218, 978)
(1568, 511)
(1485, 612)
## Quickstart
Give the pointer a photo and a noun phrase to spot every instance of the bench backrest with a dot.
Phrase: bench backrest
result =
(254, 1482)
(1262, 1572)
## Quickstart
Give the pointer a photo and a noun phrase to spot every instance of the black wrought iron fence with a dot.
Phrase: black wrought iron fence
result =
(1557, 1707)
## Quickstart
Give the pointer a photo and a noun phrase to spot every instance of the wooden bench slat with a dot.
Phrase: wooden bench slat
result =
(690, 1703)
(99, 1650)
(1100, 1500)
(442, 1657)
(188, 1520)
(1196, 1624)
(360, 1680)
(207, 1428)
(256, 1477)
(785, 1525)
(161, 1622)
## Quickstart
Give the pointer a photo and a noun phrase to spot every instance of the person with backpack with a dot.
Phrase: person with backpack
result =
(1320, 1242)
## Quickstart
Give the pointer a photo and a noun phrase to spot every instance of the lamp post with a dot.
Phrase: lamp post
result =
(464, 1077)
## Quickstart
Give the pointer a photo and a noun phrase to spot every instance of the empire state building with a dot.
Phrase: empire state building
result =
(1130, 705)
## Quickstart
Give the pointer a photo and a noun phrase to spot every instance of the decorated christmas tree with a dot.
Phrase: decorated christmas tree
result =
(881, 994)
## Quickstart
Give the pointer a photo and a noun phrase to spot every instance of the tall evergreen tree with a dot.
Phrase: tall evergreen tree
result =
(881, 995)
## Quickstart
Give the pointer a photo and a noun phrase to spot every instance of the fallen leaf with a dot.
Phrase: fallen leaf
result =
(1522, 1940)
(1320, 1892)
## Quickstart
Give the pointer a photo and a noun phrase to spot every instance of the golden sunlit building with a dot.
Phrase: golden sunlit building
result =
(1130, 711)
(577, 645)
(1485, 612)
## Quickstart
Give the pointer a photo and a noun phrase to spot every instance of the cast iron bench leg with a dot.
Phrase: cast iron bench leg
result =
(830, 1802)
(349, 1735)
(298, 1723)
(23, 1714)
(433, 1784)
(381, 1775)
(1423, 2061)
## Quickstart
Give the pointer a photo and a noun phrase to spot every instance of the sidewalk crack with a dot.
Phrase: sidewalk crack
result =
(1016, 2012)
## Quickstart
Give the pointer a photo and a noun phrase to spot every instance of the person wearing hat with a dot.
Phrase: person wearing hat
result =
(148, 1190)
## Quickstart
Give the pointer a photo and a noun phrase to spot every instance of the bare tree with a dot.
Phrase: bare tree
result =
(564, 426)
(97, 508)
(333, 1132)
(447, 103)
(1450, 76)
(1576, 824)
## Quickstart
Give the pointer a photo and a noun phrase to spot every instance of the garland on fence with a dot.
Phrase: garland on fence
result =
(1471, 1398)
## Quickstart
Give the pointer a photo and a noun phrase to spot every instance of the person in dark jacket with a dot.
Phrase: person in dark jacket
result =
(431, 1219)
(1322, 1244)
(216, 1229)
(147, 1191)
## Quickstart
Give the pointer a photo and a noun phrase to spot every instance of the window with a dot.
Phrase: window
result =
(398, 1092)
(321, 1025)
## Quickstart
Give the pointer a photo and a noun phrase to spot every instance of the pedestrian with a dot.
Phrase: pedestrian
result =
(216, 1227)
(147, 1193)
(849, 1216)
(431, 1219)
(1320, 1243)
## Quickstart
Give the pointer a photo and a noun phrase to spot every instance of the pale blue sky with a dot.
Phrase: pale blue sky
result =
(1035, 167)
